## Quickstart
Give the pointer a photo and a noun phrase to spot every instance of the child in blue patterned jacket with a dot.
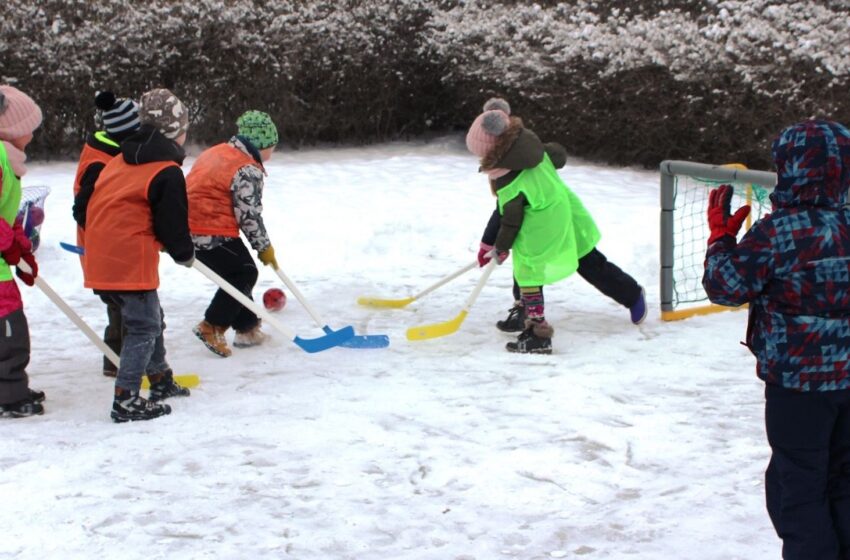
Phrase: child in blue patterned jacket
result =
(793, 268)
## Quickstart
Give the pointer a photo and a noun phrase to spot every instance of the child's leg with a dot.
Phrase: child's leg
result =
(232, 261)
(532, 301)
(143, 347)
(609, 279)
(14, 357)
(799, 428)
(112, 335)
(839, 473)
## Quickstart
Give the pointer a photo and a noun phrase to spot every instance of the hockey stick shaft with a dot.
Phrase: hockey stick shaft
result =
(447, 327)
(308, 345)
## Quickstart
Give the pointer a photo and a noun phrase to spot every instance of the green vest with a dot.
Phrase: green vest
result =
(556, 229)
(10, 199)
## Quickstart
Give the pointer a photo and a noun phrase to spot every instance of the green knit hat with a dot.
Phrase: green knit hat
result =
(258, 128)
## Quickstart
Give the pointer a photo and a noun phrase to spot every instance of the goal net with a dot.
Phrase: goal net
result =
(684, 228)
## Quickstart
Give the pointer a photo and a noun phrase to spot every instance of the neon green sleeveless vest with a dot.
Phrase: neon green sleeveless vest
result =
(10, 199)
(556, 229)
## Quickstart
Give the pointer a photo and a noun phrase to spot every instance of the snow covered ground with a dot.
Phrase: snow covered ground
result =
(628, 442)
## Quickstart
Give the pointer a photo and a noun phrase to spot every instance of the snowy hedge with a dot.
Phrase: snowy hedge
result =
(620, 81)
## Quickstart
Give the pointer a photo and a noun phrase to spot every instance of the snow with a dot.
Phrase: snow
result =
(628, 442)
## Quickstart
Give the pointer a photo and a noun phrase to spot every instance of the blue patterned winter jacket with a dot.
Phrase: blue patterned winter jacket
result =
(793, 265)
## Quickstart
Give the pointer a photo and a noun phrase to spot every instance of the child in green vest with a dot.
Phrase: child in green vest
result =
(550, 232)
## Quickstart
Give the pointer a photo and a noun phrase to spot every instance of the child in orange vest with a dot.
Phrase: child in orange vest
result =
(225, 189)
(19, 117)
(119, 119)
(137, 209)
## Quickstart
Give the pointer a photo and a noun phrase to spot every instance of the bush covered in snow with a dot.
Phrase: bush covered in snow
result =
(619, 81)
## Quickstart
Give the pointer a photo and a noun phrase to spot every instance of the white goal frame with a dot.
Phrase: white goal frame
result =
(670, 169)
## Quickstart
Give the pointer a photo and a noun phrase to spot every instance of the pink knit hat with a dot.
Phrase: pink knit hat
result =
(19, 114)
(488, 126)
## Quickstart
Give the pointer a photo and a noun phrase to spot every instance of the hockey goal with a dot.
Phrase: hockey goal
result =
(684, 230)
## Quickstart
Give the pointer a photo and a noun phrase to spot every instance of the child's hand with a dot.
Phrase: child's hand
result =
(720, 219)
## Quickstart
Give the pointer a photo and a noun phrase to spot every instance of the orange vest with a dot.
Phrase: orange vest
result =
(88, 156)
(122, 252)
(208, 188)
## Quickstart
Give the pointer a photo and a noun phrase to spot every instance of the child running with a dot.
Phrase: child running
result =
(550, 232)
(225, 188)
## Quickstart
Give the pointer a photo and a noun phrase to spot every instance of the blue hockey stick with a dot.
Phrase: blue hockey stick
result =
(336, 338)
(76, 249)
(357, 341)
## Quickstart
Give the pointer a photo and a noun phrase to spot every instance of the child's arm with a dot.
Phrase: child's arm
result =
(737, 273)
(513, 213)
(557, 154)
(81, 200)
(247, 189)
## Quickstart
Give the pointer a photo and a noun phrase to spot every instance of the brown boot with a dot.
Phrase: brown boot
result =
(251, 337)
(213, 338)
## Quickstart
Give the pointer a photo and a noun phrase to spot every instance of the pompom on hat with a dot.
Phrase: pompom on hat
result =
(163, 110)
(488, 126)
(258, 128)
(118, 117)
(19, 114)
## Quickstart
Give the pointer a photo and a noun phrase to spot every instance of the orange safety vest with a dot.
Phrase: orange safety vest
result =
(208, 189)
(122, 252)
(88, 156)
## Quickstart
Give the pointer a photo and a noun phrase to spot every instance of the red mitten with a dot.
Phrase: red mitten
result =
(28, 278)
(721, 221)
(484, 254)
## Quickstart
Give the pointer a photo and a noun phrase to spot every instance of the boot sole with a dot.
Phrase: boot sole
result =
(212, 349)
(535, 351)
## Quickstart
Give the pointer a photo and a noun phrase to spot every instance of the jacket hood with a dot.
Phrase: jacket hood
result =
(518, 148)
(149, 145)
(812, 161)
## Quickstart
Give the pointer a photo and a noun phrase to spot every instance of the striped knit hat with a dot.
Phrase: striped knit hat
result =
(118, 117)
(258, 128)
(19, 114)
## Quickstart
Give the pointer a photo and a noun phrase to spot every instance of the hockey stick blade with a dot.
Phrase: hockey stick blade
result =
(188, 380)
(363, 340)
(334, 338)
(387, 303)
(424, 332)
(76, 249)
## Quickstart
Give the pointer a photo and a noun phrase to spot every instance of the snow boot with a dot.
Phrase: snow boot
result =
(638, 310)
(30, 406)
(163, 387)
(515, 322)
(251, 337)
(213, 338)
(130, 407)
(535, 339)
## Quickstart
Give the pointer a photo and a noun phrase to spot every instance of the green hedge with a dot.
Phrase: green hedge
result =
(619, 82)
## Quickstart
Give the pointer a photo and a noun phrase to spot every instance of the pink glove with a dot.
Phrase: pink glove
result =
(484, 254)
(487, 252)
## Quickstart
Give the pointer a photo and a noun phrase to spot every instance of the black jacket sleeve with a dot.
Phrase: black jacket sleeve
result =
(492, 228)
(557, 153)
(170, 209)
(81, 200)
(511, 220)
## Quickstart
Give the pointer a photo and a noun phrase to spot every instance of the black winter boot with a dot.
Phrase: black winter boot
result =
(515, 321)
(30, 406)
(535, 339)
(129, 407)
(163, 387)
